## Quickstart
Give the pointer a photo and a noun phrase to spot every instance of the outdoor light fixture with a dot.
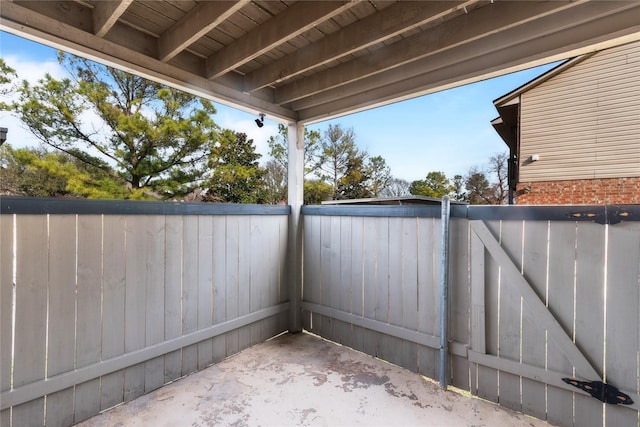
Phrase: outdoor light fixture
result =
(260, 120)
(3, 135)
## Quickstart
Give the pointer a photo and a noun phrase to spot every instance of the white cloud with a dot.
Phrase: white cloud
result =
(32, 71)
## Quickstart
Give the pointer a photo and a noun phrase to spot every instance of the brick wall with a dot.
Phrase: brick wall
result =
(579, 192)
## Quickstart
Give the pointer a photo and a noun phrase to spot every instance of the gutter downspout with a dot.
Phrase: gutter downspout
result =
(444, 293)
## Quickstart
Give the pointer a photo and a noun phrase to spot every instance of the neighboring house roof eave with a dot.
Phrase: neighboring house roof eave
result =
(502, 129)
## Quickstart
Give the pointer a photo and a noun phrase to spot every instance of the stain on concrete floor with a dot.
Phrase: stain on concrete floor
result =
(303, 380)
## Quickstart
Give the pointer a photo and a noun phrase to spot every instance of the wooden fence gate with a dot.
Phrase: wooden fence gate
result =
(537, 294)
(552, 300)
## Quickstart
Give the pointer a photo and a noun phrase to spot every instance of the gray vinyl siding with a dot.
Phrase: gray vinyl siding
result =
(584, 123)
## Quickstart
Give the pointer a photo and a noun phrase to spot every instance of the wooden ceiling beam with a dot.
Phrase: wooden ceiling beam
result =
(201, 19)
(481, 40)
(106, 14)
(293, 21)
(567, 41)
(466, 28)
(376, 28)
(40, 28)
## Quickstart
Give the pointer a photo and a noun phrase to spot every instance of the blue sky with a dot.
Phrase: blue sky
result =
(448, 131)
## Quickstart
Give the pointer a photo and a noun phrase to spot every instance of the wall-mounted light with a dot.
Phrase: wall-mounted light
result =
(535, 157)
(260, 120)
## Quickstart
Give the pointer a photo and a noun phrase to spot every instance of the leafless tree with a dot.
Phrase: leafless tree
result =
(396, 188)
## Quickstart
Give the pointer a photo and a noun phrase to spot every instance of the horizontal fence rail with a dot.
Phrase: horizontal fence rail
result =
(98, 309)
(60, 206)
(537, 294)
(599, 214)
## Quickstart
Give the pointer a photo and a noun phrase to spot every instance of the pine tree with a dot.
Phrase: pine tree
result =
(154, 137)
(237, 176)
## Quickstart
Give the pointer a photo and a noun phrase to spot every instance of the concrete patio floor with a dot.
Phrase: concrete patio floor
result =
(303, 380)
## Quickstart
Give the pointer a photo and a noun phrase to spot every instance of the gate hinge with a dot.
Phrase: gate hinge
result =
(601, 391)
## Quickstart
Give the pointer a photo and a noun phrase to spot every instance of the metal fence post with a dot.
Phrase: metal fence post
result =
(444, 293)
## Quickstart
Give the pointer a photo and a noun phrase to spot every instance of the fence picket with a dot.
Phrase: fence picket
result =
(510, 315)
(113, 303)
(395, 351)
(154, 300)
(370, 272)
(261, 257)
(244, 278)
(219, 285)
(488, 377)
(356, 280)
(382, 284)
(135, 302)
(589, 315)
(172, 294)
(205, 287)
(231, 282)
(623, 307)
(190, 237)
(459, 300)
(478, 316)
(534, 348)
(62, 314)
(427, 298)
(409, 263)
(560, 300)
(89, 321)
(6, 308)
(342, 290)
(31, 311)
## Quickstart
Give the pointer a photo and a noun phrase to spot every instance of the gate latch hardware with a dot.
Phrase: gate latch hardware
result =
(601, 391)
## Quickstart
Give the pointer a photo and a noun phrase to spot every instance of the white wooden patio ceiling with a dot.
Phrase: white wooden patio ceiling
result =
(304, 61)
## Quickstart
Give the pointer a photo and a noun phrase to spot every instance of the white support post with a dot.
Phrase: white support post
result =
(295, 177)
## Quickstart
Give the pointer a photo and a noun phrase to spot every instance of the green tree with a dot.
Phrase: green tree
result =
(436, 184)
(353, 183)
(275, 182)
(316, 191)
(237, 176)
(279, 147)
(478, 188)
(379, 175)
(458, 188)
(334, 160)
(157, 138)
(7, 86)
(39, 173)
(339, 157)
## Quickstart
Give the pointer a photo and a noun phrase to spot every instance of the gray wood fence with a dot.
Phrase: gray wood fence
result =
(101, 302)
(536, 294)
(98, 309)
